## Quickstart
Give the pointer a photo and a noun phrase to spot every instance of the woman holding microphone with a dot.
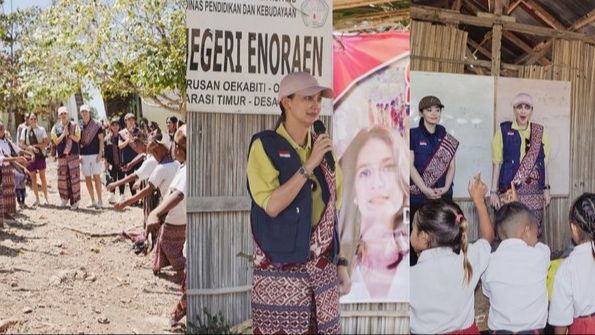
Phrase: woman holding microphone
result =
(295, 193)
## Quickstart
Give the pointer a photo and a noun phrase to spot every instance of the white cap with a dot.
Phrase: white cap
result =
(522, 98)
(62, 110)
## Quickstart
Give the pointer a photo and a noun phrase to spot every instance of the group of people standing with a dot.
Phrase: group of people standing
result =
(153, 165)
(154, 159)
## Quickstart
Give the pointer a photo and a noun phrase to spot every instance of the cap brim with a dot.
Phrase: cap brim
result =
(424, 107)
(521, 103)
(325, 91)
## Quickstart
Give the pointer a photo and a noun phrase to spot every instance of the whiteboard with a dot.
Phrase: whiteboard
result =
(468, 115)
(551, 108)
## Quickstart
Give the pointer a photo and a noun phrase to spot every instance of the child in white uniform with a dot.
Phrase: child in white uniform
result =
(515, 280)
(573, 298)
(448, 268)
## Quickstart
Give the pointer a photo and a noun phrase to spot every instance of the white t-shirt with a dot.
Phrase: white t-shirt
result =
(146, 168)
(515, 283)
(398, 291)
(163, 175)
(39, 132)
(177, 215)
(441, 300)
(574, 287)
(5, 149)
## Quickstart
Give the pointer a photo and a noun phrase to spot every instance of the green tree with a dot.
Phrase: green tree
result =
(120, 46)
(13, 27)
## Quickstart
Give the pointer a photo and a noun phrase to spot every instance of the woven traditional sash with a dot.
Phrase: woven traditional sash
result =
(115, 151)
(439, 163)
(30, 136)
(89, 131)
(125, 134)
(69, 141)
(528, 162)
(322, 235)
(529, 193)
(166, 159)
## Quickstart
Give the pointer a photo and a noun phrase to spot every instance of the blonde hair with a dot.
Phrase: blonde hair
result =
(350, 216)
(464, 226)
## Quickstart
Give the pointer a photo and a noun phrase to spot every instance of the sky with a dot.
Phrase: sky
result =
(16, 4)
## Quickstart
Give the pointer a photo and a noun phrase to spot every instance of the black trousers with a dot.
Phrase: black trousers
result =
(128, 173)
(117, 174)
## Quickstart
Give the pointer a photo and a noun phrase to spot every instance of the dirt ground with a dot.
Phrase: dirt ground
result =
(54, 279)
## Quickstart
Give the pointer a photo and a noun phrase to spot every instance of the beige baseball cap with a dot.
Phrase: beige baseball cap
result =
(85, 108)
(522, 98)
(302, 83)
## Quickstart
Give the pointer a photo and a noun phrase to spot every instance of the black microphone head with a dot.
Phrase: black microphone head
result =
(319, 127)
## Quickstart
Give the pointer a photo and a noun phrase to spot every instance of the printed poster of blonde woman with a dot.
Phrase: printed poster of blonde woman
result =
(374, 156)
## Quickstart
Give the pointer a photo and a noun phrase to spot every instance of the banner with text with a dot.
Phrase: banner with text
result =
(239, 50)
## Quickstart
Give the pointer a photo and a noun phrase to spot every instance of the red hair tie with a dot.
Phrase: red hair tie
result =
(459, 218)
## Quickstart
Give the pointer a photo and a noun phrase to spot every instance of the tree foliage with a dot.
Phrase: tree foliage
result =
(13, 27)
(120, 46)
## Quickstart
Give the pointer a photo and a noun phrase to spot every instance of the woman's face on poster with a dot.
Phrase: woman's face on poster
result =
(378, 195)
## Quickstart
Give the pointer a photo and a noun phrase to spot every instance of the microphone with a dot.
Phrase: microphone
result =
(320, 129)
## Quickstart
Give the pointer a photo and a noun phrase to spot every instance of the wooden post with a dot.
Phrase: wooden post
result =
(456, 5)
(498, 7)
(496, 41)
(496, 47)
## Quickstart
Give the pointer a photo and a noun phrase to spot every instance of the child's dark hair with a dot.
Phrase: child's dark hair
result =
(173, 120)
(446, 226)
(582, 214)
(506, 223)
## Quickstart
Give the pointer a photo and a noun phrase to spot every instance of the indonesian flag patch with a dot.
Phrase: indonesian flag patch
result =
(284, 154)
(422, 142)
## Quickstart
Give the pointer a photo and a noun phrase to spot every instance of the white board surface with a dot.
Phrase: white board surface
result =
(468, 115)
